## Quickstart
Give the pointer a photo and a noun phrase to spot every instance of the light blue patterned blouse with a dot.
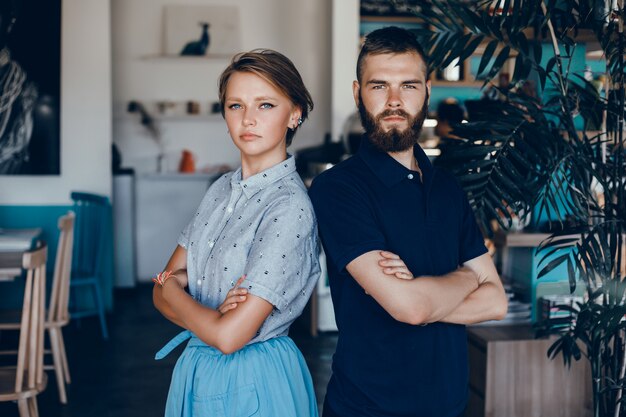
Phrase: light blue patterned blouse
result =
(263, 227)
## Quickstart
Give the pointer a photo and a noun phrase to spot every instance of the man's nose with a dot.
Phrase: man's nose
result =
(393, 99)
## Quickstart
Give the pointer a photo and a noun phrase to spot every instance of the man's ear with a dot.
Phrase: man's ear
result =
(356, 87)
(428, 89)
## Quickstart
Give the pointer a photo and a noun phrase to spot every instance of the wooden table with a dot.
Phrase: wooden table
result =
(13, 244)
(511, 376)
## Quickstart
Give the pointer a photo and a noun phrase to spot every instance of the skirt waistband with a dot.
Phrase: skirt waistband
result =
(194, 341)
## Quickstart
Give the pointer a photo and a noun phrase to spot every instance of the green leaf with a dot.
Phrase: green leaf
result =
(489, 50)
(552, 265)
(550, 65)
(538, 50)
(518, 72)
(471, 47)
(522, 42)
(500, 60)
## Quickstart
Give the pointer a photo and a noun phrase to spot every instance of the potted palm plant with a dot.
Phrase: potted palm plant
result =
(561, 156)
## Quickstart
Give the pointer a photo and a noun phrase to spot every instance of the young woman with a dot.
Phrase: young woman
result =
(256, 224)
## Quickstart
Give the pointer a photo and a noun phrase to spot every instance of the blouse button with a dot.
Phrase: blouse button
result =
(410, 176)
(199, 282)
(230, 209)
(211, 244)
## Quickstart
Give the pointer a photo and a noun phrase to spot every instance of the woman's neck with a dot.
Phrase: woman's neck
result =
(252, 165)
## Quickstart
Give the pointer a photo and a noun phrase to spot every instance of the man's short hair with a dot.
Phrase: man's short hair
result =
(389, 40)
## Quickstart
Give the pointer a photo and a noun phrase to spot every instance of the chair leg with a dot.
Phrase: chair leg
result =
(100, 306)
(64, 363)
(73, 301)
(32, 405)
(58, 363)
(22, 406)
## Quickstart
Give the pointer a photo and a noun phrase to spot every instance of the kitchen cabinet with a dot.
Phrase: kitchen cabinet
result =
(511, 376)
(164, 205)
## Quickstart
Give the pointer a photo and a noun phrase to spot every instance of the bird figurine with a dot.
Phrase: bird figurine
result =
(200, 46)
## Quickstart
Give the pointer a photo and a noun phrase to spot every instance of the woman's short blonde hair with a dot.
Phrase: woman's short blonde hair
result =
(276, 69)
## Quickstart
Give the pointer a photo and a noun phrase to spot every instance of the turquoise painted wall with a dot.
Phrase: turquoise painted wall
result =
(46, 218)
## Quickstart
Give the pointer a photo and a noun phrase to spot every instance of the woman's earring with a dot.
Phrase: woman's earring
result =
(299, 121)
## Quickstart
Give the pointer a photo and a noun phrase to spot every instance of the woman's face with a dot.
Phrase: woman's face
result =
(258, 115)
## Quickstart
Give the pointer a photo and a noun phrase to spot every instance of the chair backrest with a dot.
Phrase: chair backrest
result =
(59, 296)
(29, 372)
(89, 234)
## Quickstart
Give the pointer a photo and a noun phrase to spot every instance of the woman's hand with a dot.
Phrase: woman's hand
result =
(393, 265)
(235, 296)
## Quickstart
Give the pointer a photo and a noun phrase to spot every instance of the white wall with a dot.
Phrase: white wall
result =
(345, 53)
(301, 29)
(85, 112)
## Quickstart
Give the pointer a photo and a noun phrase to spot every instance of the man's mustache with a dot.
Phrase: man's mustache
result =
(389, 112)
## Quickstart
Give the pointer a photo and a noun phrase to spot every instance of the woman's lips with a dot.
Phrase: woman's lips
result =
(249, 136)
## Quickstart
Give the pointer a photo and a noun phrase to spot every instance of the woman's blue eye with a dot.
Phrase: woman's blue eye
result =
(267, 106)
(234, 106)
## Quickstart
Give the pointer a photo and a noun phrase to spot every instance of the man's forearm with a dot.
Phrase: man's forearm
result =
(417, 301)
(444, 294)
(479, 306)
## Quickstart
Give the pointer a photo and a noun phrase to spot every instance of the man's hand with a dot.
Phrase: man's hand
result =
(393, 265)
(235, 296)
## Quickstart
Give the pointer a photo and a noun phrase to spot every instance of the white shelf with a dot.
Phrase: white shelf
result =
(188, 58)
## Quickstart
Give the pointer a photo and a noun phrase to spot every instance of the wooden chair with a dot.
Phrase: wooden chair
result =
(23, 382)
(57, 315)
(87, 266)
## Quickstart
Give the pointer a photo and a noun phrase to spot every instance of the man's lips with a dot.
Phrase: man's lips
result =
(394, 119)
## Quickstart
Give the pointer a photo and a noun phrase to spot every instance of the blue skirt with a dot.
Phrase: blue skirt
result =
(265, 379)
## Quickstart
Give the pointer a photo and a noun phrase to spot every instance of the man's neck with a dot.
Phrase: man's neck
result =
(407, 159)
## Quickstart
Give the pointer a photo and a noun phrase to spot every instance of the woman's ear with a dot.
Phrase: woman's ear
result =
(296, 118)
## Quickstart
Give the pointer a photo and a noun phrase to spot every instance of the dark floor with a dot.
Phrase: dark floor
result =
(120, 378)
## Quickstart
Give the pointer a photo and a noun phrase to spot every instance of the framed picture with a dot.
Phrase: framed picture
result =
(30, 78)
(202, 30)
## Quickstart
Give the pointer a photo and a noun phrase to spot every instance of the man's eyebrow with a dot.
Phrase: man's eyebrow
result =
(413, 82)
(377, 82)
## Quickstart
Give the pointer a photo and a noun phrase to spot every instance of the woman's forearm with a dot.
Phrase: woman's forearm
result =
(227, 332)
(187, 310)
(162, 305)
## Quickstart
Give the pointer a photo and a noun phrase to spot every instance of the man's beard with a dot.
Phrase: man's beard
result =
(393, 140)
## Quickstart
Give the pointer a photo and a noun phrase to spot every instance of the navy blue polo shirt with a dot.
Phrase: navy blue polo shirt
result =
(383, 367)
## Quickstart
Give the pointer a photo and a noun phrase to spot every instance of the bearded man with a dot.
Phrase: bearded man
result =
(406, 261)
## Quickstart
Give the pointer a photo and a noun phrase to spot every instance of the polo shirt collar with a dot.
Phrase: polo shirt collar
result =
(388, 170)
(263, 179)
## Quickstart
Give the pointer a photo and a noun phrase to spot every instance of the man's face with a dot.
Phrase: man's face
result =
(393, 99)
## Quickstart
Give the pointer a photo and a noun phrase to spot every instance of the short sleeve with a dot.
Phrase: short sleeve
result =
(183, 238)
(472, 243)
(346, 221)
(281, 257)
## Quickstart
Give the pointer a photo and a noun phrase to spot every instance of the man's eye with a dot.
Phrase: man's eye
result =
(267, 106)
(234, 106)
(410, 86)
(378, 87)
